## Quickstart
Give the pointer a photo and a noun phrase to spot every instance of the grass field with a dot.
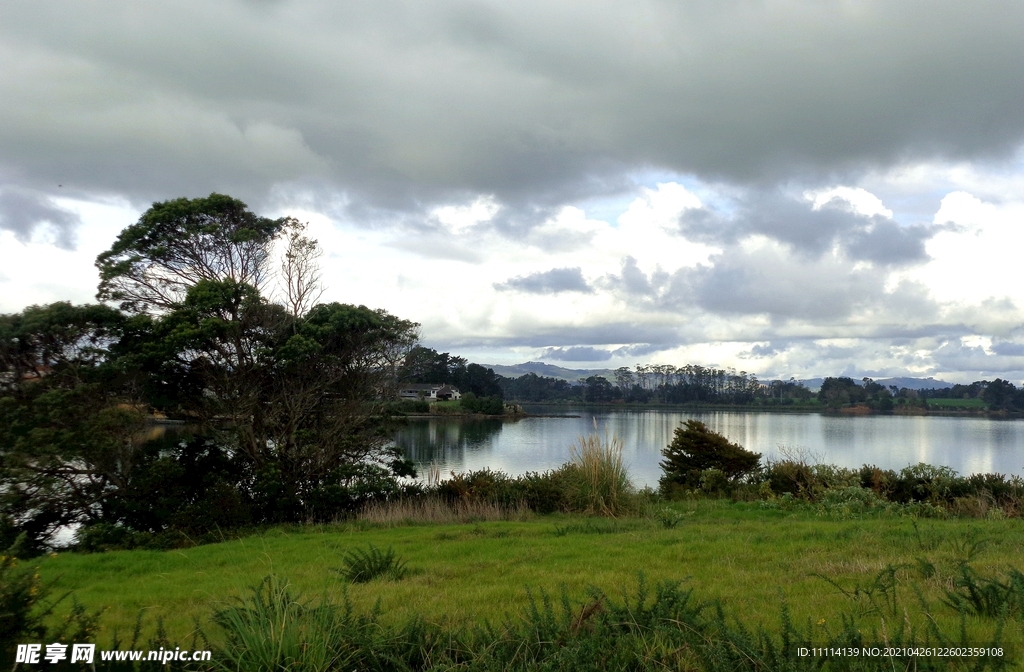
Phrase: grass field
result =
(749, 557)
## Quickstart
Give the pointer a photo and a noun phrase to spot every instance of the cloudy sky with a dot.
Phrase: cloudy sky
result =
(788, 188)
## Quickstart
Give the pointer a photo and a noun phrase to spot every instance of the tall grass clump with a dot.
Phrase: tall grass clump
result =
(597, 478)
(275, 630)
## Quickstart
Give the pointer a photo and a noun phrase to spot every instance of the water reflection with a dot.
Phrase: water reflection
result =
(969, 445)
(446, 440)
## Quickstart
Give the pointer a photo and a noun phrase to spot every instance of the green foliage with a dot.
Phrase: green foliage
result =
(594, 482)
(695, 448)
(67, 420)
(409, 406)
(363, 565)
(426, 365)
(20, 593)
(988, 596)
(484, 405)
(670, 518)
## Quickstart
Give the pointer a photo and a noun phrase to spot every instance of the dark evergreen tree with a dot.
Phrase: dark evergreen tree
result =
(695, 448)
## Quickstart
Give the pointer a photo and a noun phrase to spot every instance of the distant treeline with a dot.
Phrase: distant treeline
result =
(659, 384)
(666, 384)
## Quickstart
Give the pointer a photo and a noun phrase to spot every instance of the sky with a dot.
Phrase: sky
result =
(788, 188)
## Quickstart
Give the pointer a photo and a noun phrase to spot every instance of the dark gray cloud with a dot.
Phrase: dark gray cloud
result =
(577, 354)
(548, 282)
(400, 104)
(773, 281)
(954, 355)
(766, 350)
(810, 231)
(641, 349)
(1008, 349)
(609, 333)
(23, 212)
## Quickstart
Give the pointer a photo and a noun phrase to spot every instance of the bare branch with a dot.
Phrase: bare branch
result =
(300, 271)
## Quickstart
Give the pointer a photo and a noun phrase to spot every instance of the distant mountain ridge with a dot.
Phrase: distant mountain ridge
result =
(549, 371)
(573, 376)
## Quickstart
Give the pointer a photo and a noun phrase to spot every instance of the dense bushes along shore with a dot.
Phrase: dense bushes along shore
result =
(595, 482)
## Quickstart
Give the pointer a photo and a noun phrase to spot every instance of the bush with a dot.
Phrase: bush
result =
(20, 591)
(362, 566)
(492, 405)
(696, 448)
(410, 406)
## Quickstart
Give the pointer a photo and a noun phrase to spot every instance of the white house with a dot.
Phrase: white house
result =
(428, 392)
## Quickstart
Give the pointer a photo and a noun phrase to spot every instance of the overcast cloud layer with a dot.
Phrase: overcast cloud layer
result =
(790, 188)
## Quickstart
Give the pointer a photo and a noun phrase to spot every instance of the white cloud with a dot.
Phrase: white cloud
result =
(38, 271)
(979, 259)
(458, 218)
(862, 201)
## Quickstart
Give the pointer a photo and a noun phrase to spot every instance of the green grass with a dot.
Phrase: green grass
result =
(748, 557)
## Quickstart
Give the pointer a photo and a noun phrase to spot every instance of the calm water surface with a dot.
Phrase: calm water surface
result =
(969, 445)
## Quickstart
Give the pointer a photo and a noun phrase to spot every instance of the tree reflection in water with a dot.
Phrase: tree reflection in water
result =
(447, 441)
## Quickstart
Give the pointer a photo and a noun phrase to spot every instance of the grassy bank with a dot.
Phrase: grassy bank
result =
(749, 557)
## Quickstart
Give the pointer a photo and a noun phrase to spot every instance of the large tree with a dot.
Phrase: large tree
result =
(296, 391)
(288, 397)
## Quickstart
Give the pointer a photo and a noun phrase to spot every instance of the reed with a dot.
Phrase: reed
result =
(597, 476)
(436, 510)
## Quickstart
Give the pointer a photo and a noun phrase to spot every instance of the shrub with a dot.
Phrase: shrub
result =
(362, 566)
(20, 591)
(792, 477)
(492, 405)
(410, 406)
(924, 483)
(715, 482)
(852, 501)
(695, 448)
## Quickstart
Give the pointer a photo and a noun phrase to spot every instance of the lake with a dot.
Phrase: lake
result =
(967, 444)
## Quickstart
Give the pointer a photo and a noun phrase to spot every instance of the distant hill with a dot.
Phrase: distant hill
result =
(573, 376)
(549, 371)
(915, 383)
(814, 384)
